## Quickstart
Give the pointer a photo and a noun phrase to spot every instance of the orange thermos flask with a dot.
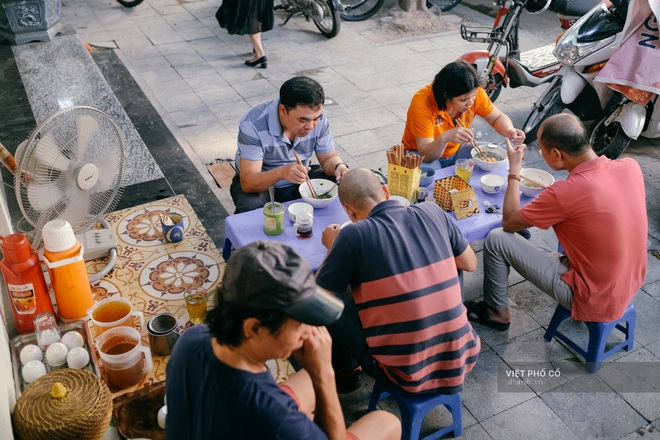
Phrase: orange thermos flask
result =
(63, 254)
(24, 281)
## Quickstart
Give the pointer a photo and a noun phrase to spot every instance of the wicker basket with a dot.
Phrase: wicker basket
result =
(81, 410)
(455, 194)
(403, 181)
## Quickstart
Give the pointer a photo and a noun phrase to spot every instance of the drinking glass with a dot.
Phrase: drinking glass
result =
(464, 169)
(196, 304)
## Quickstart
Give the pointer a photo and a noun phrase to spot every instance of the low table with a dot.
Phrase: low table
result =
(245, 228)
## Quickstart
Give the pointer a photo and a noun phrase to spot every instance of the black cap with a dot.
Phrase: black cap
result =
(271, 275)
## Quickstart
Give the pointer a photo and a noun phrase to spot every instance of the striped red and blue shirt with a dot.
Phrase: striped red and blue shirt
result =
(399, 263)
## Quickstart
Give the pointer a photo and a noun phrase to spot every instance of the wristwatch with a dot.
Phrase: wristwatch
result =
(340, 163)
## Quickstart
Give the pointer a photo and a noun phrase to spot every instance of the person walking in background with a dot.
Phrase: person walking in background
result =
(250, 17)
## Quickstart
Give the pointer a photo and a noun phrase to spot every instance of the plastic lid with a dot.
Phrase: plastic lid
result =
(16, 248)
(58, 236)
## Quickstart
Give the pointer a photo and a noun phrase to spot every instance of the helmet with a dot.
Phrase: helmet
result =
(536, 6)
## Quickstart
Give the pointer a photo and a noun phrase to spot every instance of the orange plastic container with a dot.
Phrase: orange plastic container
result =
(63, 254)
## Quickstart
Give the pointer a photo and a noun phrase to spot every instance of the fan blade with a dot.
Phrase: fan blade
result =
(48, 153)
(43, 196)
(108, 169)
(78, 208)
(87, 127)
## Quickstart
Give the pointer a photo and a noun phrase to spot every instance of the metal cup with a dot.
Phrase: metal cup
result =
(163, 333)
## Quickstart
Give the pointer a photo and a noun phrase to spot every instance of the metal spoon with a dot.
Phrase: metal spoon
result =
(271, 191)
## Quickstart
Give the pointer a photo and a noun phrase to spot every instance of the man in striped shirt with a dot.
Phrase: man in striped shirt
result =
(269, 137)
(405, 321)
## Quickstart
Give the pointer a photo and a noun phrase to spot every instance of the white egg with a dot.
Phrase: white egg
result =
(33, 370)
(72, 339)
(56, 354)
(31, 353)
(77, 358)
(162, 415)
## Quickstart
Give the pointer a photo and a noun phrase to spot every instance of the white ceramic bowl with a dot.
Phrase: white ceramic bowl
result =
(33, 370)
(77, 357)
(56, 354)
(498, 153)
(528, 188)
(31, 353)
(299, 208)
(321, 186)
(402, 200)
(492, 183)
(72, 339)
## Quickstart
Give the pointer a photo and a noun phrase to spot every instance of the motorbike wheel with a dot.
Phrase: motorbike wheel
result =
(130, 3)
(551, 105)
(330, 23)
(444, 5)
(608, 140)
(494, 86)
(359, 10)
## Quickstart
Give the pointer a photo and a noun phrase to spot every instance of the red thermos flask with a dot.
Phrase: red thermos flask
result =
(24, 281)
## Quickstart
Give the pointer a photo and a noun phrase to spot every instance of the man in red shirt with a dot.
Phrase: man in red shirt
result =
(599, 216)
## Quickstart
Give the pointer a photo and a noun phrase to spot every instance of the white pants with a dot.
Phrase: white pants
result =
(543, 268)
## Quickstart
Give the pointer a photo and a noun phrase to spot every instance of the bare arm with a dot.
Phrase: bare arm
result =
(511, 220)
(331, 164)
(316, 358)
(253, 180)
(467, 261)
(503, 125)
(432, 149)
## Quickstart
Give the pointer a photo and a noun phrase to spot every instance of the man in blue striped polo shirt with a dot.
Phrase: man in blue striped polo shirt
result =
(269, 135)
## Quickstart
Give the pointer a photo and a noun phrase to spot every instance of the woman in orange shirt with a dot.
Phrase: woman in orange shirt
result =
(455, 93)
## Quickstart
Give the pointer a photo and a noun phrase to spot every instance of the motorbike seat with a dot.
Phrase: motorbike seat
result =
(575, 8)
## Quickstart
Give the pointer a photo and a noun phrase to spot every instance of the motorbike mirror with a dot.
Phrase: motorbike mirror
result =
(537, 6)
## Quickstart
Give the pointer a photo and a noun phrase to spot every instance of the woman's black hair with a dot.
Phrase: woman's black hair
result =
(225, 320)
(455, 79)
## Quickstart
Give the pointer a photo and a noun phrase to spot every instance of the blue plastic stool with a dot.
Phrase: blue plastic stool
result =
(598, 334)
(414, 407)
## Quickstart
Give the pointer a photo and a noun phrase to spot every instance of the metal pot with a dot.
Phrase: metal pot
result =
(163, 333)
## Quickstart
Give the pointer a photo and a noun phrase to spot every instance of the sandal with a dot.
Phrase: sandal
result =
(480, 311)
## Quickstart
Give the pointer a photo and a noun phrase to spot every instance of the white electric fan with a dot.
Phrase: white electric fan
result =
(71, 167)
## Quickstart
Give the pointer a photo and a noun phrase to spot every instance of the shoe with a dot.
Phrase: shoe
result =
(263, 61)
(480, 310)
(349, 381)
(525, 233)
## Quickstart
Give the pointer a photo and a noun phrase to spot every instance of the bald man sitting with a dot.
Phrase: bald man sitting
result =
(402, 265)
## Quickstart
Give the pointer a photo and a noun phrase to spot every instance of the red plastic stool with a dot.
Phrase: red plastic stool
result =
(414, 407)
(599, 332)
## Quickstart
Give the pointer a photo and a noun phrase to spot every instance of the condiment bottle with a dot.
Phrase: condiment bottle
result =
(24, 281)
(63, 254)
(303, 225)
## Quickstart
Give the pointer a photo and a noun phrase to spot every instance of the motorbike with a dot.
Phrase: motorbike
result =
(502, 64)
(324, 13)
(584, 50)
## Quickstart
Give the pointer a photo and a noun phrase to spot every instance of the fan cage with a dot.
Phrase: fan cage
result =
(50, 161)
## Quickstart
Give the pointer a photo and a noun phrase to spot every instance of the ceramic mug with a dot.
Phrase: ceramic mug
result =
(172, 225)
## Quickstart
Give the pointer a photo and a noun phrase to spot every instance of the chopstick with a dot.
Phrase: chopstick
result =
(312, 191)
(397, 156)
(535, 182)
(474, 143)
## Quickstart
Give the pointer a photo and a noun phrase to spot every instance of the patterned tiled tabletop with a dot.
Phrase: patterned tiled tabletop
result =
(153, 273)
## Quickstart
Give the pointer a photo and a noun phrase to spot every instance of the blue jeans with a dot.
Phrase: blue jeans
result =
(464, 152)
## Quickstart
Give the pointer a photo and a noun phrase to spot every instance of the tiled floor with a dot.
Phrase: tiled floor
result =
(180, 80)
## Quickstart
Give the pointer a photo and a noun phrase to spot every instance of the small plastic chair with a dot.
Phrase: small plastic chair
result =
(414, 407)
(599, 332)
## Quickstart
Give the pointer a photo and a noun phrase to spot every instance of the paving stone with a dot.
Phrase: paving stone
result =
(481, 396)
(596, 412)
(648, 324)
(540, 423)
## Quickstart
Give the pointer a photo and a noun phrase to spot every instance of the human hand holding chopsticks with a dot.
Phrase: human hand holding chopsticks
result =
(312, 191)
(459, 123)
